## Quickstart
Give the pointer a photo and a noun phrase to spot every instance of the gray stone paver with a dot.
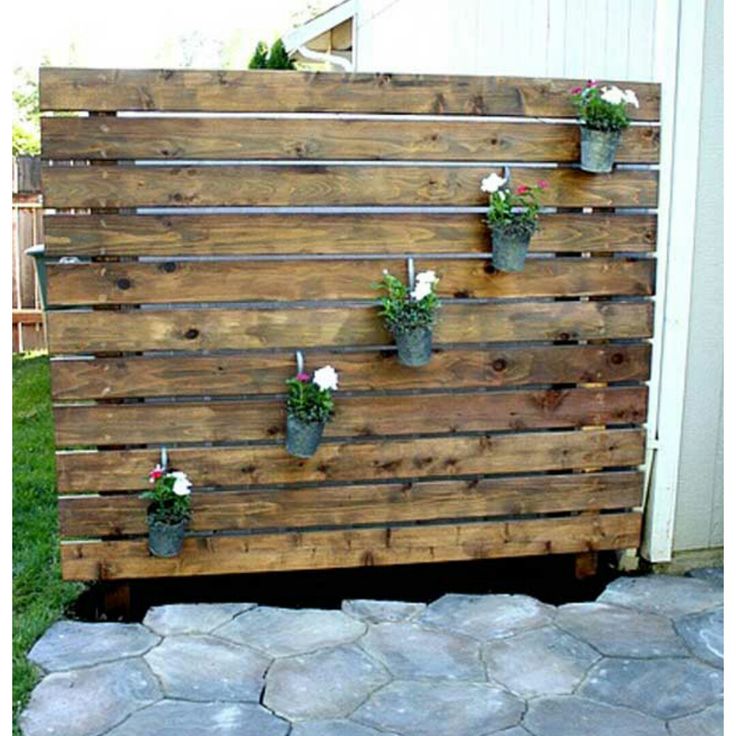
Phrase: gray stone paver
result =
(575, 716)
(335, 728)
(383, 612)
(667, 595)
(493, 665)
(543, 661)
(708, 722)
(281, 632)
(665, 688)
(412, 652)
(703, 634)
(487, 617)
(192, 618)
(202, 667)
(712, 575)
(180, 718)
(89, 701)
(327, 684)
(68, 645)
(441, 708)
(621, 632)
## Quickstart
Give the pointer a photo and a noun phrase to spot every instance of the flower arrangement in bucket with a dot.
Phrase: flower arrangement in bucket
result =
(512, 218)
(169, 510)
(602, 116)
(410, 313)
(309, 406)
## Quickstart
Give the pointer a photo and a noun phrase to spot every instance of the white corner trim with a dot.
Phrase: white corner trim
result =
(322, 23)
(681, 30)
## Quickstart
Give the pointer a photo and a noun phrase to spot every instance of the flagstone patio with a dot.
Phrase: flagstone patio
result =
(645, 659)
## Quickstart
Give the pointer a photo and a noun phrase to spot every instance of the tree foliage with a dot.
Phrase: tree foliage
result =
(26, 125)
(275, 58)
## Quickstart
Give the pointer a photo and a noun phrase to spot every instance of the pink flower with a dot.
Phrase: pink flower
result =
(591, 83)
(576, 90)
(155, 474)
(303, 377)
(543, 184)
(522, 189)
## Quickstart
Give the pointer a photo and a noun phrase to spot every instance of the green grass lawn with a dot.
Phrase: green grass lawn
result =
(39, 595)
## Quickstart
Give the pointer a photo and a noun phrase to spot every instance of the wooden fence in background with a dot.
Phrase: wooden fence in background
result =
(28, 328)
(523, 435)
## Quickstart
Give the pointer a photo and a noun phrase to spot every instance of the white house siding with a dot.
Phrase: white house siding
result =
(601, 39)
(699, 510)
(607, 39)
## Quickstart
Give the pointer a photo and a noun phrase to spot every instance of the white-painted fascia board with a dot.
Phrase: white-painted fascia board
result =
(681, 28)
(317, 26)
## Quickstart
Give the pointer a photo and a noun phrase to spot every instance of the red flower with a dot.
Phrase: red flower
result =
(303, 377)
(155, 474)
(522, 189)
(543, 184)
(576, 90)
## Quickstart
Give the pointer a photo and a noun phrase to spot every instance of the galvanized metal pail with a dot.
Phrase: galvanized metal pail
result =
(414, 346)
(303, 438)
(598, 149)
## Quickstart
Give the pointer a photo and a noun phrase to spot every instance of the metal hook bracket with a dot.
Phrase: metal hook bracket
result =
(299, 361)
(410, 271)
(507, 174)
(164, 458)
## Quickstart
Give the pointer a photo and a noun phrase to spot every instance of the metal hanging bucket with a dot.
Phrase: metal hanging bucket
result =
(303, 438)
(509, 248)
(165, 540)
(598, 149)
(414, 346)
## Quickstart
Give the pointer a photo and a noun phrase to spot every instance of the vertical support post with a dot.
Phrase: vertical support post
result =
(117, 601)
(586, 565)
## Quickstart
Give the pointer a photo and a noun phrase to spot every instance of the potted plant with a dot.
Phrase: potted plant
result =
(410, 314)
(602, 116)
(512, 219)
(309, 406)
(169, 511)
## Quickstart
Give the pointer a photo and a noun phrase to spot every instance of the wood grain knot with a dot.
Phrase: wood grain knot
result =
(499, 364)
(191, 334)
(123, 284)
(617, 358)
(168, 267)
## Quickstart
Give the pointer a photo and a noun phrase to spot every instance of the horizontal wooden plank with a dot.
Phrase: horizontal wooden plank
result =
(283, 91)
(378, 140)
(232, 375)
(236, 329)
(329, 184)
(320, 234)
(117, 470)
(353, 548)
(355, 416)
(116, 515)
(186, 281)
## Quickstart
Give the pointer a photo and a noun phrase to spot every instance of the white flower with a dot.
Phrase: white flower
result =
(631, 98)
(182, 484)
(613, 95)
(326, 378)
(429, 276)
(492, 183)
(422, 289)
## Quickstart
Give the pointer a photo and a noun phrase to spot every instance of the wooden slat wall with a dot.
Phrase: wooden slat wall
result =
(522, 436)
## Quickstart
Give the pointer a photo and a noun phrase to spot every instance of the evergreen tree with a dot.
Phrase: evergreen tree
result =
(259, 60)
(278, 58)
